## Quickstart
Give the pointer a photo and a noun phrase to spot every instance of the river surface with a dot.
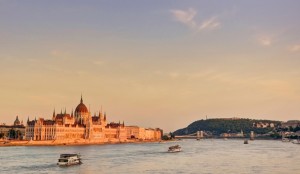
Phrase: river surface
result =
(205, 156)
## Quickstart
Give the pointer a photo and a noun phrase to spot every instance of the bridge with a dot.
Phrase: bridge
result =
(196, 135)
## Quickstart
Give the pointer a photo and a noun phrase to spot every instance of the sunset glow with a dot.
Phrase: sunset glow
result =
(151, 63)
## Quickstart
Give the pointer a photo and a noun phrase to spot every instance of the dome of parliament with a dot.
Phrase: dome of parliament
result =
(81, 107)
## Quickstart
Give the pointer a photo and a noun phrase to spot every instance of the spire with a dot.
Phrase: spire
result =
(72, 113)
(99, 114)
(65, 110)
(61, 111)
(81, 101)
(54, 113)
(123, 123)
(104, 116)
(28, 120)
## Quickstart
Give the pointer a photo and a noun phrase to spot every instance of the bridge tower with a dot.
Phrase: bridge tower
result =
(252, 135)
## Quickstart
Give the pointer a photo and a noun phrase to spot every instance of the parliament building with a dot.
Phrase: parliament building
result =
(80, 125)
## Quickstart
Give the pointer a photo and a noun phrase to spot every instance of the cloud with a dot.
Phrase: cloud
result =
(187, 17)
(265, 41)
(98, 62)
(210, 23)
(173, 75)
(295, 48)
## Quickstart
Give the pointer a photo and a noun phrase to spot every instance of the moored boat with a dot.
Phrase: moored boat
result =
(175, 148)
(69, 159)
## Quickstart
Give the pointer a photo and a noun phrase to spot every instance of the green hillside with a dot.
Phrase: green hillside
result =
(218, 126)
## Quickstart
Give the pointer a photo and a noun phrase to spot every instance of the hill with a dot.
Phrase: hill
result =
(219, 126)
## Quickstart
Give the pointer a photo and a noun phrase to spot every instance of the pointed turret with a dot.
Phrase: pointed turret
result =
(81, 101)
(28, 120)
(65, 110)
(72, 113)
(53, 116)
(104, 116)
(123, 123)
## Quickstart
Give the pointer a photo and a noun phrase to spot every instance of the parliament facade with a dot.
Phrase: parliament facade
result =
(81, 126)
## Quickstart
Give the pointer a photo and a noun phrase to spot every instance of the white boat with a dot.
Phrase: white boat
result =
(69, 159)
(296, 141)
(285, 140)
(175, 148)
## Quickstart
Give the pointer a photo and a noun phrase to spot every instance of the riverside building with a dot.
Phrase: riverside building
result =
(15, 131)
(81, 126)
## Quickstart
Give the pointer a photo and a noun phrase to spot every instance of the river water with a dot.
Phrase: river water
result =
(205, 156)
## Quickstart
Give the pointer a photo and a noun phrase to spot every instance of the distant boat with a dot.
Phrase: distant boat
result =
(285, 140)
(175, 148)
(246, 142)
(69, 159)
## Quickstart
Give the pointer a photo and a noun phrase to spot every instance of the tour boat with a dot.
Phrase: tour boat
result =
(245, 141)
(69, 159)
(175, 148)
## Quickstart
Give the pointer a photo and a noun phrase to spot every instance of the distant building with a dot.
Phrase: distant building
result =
(263, 125)
(135, 132)
(15, 131)
(291, 123)
(232, 135)
(81, 125)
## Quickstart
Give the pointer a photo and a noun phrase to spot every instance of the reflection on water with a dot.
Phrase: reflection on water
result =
(205, 156)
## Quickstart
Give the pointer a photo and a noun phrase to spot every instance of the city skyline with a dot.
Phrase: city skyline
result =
(156, 64)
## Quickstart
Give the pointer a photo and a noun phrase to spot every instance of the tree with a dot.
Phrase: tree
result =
(18, 135)
(12, 134)
(165, 137)
(172, 135)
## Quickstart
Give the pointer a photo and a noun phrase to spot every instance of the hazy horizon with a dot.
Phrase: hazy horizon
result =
(153, 64)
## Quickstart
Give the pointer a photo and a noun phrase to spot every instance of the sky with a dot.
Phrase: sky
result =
(150, 63)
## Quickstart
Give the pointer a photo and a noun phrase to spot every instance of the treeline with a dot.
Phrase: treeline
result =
(218, 126)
